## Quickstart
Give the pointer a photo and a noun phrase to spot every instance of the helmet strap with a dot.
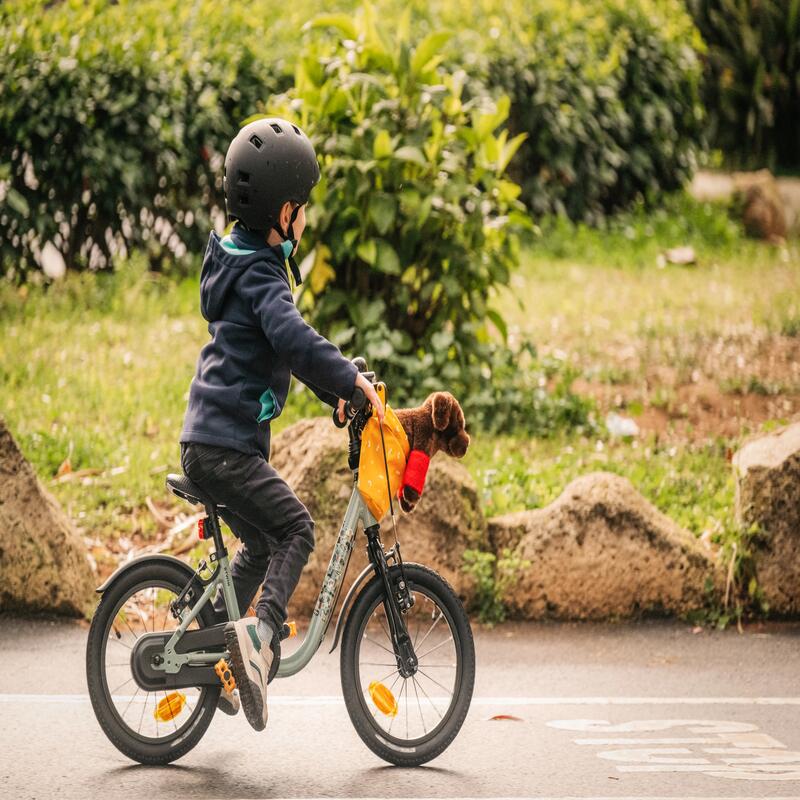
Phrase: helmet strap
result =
(289, 243)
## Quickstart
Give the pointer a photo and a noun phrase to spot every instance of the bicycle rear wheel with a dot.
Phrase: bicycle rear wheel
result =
(151, 727)
(408, 721)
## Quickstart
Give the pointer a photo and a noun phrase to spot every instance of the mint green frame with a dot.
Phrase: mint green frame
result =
(323, 609)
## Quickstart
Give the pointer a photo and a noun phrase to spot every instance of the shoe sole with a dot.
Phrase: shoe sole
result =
(227, 708)
(249, 694)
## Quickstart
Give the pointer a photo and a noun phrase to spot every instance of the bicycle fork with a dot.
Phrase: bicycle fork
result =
(396, 599)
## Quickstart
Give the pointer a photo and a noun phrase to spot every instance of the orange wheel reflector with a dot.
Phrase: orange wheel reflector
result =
(170, 707)
(383, 698)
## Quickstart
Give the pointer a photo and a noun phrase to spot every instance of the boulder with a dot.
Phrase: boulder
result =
(767, 470)
(763, 214)
(600, 551)
(767, 206)
(311, 456)
(43, 561)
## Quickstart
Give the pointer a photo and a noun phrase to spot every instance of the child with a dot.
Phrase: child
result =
(258, 340)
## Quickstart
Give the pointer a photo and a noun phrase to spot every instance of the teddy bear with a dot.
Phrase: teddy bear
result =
(438, 424)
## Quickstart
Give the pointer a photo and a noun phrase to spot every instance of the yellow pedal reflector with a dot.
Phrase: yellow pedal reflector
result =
(292, 628)
(170, 706)
(383, 698)
(225, 675)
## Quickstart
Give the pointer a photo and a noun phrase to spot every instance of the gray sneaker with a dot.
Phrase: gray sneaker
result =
(251, 660)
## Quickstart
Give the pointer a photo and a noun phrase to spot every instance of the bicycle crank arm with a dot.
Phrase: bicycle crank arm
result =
(147, 660)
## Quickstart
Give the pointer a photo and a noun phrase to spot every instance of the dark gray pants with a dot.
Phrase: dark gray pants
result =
(275, 528)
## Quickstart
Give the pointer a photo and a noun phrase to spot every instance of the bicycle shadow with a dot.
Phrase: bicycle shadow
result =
(203, 781)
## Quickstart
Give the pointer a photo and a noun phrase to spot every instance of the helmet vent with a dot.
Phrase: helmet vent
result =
(244, 198)
(277, 128)
(244, 177)
(256, 142)
(296, 130)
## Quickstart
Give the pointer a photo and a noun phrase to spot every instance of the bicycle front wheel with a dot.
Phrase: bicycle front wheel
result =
(408, 721)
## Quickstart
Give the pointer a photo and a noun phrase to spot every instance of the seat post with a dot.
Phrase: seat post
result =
(212, 526)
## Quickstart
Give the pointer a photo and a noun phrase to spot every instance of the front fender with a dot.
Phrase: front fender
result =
(155, 558)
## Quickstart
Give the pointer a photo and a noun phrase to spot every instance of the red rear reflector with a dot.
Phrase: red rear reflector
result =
(201, 531)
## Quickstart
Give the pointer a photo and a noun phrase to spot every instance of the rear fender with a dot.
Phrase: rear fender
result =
(156, 558)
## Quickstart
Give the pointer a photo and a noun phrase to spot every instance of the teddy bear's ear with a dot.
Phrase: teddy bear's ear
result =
(443, 407)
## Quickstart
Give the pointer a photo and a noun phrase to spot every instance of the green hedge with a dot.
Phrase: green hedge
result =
(608, 93)
(752, 79)
(113, 120)
(114, 116)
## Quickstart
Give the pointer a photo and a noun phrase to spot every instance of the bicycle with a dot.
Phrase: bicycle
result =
(154, 621)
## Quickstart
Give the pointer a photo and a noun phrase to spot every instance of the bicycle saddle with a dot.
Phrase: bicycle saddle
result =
(181, 486)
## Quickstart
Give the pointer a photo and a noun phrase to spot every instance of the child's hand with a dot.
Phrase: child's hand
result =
(372, 396)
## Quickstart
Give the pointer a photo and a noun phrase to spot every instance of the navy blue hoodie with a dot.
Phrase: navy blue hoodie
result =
(258, 340)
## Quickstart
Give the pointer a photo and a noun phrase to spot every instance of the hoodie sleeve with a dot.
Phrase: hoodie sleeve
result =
(326, 397)
(308, 354)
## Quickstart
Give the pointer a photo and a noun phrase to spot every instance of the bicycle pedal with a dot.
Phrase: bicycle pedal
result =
(289, 630)
(225, 675)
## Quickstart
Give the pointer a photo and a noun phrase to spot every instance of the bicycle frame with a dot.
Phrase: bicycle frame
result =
(323, 609)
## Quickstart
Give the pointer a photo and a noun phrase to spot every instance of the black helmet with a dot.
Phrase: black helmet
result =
(268, 162)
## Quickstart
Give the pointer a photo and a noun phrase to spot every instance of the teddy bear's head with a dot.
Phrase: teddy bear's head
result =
(438, 424)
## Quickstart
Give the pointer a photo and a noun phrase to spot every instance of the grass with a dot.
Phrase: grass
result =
(96, 370)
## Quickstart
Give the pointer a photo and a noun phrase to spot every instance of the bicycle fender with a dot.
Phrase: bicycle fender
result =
(349, 597)
(155, 558)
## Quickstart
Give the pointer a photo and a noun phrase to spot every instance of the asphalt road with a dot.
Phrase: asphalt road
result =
(649, 710)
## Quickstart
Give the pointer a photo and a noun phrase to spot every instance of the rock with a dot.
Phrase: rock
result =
(762, 209)
(311, 456)
(43, 561)
(789, 190)
(599, 551)
(682, 256)
(767, 470)
(768, 207)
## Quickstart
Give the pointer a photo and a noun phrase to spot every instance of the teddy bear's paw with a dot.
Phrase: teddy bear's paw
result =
(408, 499)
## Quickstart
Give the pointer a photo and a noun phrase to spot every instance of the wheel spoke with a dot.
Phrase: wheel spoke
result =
(388, 635)
(422, 688)
(405, 688)
(120, 686)
(441, 614)
(449, 639)
(419, 706)
(433, 679)
(378, 643)
(141, 718)
(129, 703)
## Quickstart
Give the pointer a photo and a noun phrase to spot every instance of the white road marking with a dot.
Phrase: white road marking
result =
(334, 700)
(746, 754)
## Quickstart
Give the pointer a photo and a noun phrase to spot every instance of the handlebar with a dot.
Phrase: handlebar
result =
(358, 399)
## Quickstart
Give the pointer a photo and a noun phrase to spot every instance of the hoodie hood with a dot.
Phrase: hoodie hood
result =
(224, 262)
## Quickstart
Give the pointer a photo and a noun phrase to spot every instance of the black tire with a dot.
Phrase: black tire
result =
(142, 576)
(412, 752)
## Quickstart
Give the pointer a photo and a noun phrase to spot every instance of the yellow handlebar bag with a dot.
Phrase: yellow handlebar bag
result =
(371, 467)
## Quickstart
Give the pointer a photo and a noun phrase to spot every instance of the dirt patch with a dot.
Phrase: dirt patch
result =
(696, 388)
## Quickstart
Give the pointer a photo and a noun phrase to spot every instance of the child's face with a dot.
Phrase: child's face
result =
(299, 221)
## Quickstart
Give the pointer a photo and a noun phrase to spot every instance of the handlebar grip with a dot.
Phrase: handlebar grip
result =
(336, 418)
(358, 399)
